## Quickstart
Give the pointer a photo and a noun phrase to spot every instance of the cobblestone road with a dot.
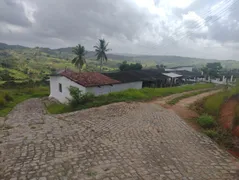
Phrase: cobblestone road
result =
(118, 141)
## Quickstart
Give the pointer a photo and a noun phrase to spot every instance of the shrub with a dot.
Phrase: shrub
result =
(206, 121)
(78, 98)
(2, 102)
(8, 97)
(211, 133)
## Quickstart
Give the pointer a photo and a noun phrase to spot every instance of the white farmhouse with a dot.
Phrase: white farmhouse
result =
(91, 82)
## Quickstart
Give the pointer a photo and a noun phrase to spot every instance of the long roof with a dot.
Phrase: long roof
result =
(137, 75)
(88, 79)
(172, 75)
(189, 74)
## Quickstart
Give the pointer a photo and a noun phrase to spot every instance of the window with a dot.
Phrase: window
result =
(60, 87)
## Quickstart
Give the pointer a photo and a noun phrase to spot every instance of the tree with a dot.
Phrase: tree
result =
(101, 48)
(126, 67)
(212, 69)
(161, 67)
(79, 60)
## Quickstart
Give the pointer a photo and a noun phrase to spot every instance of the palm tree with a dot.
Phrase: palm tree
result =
(79, 60)
(101, 49)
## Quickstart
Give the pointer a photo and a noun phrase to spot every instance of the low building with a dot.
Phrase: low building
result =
(148, 77)
(180, 68)
(92, 82)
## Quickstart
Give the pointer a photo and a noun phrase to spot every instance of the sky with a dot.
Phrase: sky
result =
(192, 28)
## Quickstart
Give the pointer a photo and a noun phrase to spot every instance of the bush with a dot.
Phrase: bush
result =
(8, 97)
(206, 121)
(211, 133)
(2, 102)
(78, 98)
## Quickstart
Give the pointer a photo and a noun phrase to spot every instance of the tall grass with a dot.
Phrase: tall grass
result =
(126, 96)
(213, 103)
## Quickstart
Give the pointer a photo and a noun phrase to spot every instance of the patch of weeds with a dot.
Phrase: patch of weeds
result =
(206, 121)
(33, 127)
(236, 117)
(92, 173)
(211, 133)
(222, 137)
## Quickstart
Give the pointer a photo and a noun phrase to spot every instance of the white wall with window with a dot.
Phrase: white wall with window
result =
(59, 87)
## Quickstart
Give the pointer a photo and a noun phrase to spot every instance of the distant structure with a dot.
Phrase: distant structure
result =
(180, 68)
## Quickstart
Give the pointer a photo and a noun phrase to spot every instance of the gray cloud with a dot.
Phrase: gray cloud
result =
(155, 27)
(13, 13)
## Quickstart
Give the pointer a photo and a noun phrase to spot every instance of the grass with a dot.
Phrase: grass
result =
(206, 121)
(126, 96)
(18, 95)
(212, 104)
(222, 137)
(177, 99)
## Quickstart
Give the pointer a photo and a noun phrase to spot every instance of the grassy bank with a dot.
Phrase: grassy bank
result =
(212, 104)
(9, 98)
(209, 108)
(126, 96)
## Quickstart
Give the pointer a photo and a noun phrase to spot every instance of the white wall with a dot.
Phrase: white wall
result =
(114, 88)
(66, 83)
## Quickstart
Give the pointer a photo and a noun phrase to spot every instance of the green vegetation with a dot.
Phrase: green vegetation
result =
(126, 67)
(9, 98)
(177, 99)
(125, 96)
(101, 48)
(206, 121)
(212, 104)
(212, 69)
(79, 60)
(222, 137)
(236, 118)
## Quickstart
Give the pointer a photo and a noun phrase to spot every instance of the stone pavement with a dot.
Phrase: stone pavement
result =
(118, 141)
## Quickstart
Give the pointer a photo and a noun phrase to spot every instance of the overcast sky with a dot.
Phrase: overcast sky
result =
(195, 28)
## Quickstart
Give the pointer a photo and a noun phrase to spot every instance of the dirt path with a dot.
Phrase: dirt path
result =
(190, 100)
(181, 108)
(117, 141)
(166, 99)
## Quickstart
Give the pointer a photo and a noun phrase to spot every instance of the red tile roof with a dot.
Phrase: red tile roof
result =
(88, 79)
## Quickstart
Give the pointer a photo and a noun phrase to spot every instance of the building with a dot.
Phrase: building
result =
(91, 82)
(149, 77)
(180, 68)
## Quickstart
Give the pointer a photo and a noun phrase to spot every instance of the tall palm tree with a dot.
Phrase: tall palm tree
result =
(101, 48)
(79, 60)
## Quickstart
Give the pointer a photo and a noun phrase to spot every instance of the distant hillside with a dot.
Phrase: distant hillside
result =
(34, 63)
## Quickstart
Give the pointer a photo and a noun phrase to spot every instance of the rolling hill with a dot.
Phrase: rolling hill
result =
(23, 63)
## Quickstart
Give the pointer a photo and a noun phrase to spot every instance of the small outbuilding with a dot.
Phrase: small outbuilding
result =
(92, 82)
